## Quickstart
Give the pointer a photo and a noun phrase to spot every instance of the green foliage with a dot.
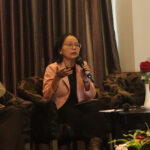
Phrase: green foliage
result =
(136, 139)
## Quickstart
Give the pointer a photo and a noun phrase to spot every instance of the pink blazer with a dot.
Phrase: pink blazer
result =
(61, 95)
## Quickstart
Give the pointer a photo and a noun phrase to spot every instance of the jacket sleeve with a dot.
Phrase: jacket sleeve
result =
(49, 76)
(91, 93)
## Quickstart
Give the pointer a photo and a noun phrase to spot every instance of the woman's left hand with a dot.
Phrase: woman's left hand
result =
(86, 67)
(85, 71)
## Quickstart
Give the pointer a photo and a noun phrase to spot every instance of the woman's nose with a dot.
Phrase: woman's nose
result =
(73, 46)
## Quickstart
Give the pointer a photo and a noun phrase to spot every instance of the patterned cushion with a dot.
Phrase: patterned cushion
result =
(31, 89)
(10, 99)
(44, 117)
(123, 88)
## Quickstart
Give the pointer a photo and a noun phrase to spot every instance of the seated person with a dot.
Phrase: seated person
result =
(66, 83)
(11, 125)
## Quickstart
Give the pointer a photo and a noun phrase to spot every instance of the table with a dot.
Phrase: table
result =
(122, 121)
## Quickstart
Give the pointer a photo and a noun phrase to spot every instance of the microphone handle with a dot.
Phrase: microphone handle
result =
(88, 74)
(80, 62)
(90, 77)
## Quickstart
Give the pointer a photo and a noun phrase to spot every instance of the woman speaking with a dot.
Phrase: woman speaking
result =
(66, 83)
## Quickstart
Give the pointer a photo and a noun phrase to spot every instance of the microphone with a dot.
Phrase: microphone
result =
(80, 62)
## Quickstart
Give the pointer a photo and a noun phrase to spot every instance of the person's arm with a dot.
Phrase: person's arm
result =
(2, 93)
(52, 77)
(86, 83)
(89, 87)
(55, 83)
(49, 76)
(86, 80)
(2, 90)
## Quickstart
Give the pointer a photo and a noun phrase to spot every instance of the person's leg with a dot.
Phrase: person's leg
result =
(70, 127)
(94, 125)
(72, 117)
(11, 129)
(95, 143)
(44, 147)
(93, 130)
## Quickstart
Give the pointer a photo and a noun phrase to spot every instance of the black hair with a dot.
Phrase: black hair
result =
(57, 56)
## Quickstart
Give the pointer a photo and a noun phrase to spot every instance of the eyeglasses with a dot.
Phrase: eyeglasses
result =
(76, 45)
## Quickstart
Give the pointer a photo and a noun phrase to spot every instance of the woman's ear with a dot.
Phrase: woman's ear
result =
(60, 52)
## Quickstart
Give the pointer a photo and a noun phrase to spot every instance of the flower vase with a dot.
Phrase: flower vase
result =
(147, 97)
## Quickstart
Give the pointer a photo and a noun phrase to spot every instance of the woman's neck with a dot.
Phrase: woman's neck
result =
(69, 63)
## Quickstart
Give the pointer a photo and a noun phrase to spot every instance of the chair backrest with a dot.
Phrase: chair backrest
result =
(43, 122)
(30, 88)
(125, 87)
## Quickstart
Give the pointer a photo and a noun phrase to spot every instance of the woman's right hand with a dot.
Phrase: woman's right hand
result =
(60, 73)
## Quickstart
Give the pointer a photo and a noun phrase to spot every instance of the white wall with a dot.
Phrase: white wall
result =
(141, 26)
(133, 27)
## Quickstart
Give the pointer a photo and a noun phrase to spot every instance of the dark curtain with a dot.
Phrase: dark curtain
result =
(30, 28)
(19, 57)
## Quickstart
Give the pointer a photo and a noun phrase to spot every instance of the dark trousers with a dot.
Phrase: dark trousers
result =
(84, 119)
(11, 129)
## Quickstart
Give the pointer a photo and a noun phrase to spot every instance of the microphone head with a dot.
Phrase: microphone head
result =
(79, 61)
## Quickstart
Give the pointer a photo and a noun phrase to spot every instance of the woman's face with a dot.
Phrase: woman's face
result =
(70, 48)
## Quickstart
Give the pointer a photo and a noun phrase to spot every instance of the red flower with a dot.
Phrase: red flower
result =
(145, 66)
(140, 137)
(139, 140)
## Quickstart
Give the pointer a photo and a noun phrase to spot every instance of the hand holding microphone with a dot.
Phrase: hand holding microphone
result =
(86, 69)
(84, 74)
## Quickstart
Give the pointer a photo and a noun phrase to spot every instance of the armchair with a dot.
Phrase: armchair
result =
(11, 106)
(31, 89)
(44, 117)
(124, 88)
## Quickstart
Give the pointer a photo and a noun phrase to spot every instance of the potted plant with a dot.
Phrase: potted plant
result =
(135, 140)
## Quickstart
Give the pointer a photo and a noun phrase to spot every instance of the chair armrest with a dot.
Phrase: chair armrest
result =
(11, 99)
(32, 96)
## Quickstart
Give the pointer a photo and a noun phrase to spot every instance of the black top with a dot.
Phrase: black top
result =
(72, 99)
